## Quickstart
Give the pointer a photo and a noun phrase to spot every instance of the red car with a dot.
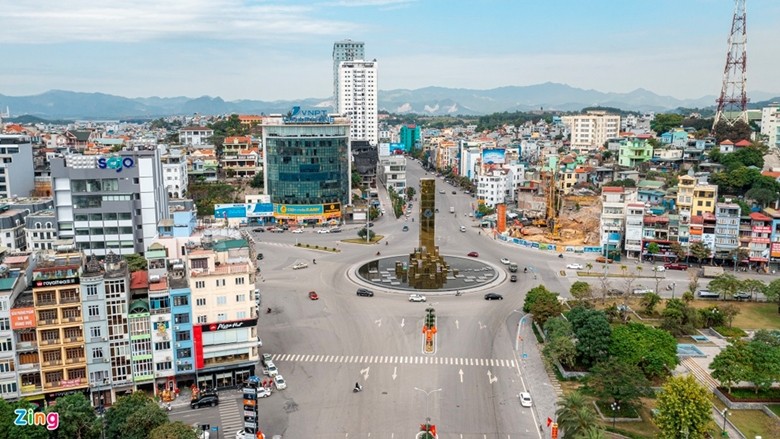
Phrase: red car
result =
(473, 254)
(313, 295)
(676, 266)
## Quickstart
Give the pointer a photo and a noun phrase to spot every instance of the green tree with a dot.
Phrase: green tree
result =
(768, 337)
(679, 318)
(699, 251)
(136, 262)
(357, 179)
(484, 210)
(653, 350)
(575, 415)
(735, 132)
(532, 295)
(546, 306)
(684, 409)
(752, 287)
(650, 301)
(772, 293)
(257, 181)
(9, 430)
(593, 334)
(77, 418)
(764, 365)
(373, 213)
(133, 417)
(362, 234)
(664, 122)
(410, 192)
(173, 430)
(731, 365)
(614, 380)
(589, 267)
(581, 290)
(557, 327)
(653, 249)
(561, 349)
(727, 285)
(677, 249)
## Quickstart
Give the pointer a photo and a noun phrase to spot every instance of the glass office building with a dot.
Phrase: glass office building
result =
(307, 169)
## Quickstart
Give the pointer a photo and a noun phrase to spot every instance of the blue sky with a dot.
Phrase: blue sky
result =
(277, 49)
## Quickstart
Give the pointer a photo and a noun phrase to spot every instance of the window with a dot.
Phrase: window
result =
(181, 318)
(221, 317)
(241, 315)
(200, 284)
(220, 282)
(240, 297)
(221, 300)
(182, 336)
(5, 324)
(202, 319)
(95, 332)
(162, 346)
(5, 345)
(200, 302)
(239, 281)
(91, 290)
(181, 301)
(93, 311)
(97, 352)
(163, 365)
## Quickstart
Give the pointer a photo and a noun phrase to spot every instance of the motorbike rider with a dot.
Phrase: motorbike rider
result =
(358, 388)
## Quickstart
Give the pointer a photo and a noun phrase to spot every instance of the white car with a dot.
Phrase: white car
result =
(642, 291)
(241, 435)
(505, 261)
(574, 266)
(323, 231)
(264, 392)
(299, 265)
(417, 298)
(659, 268)
(525, 399)
(279, 382)
(270, 369)
(297, 231)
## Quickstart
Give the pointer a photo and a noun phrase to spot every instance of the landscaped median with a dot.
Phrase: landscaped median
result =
(374, 240)
(318, 247)
(598, 274)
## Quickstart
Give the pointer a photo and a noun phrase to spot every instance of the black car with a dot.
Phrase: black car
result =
(210, 399)
(260, 256)
(365, 292)
(493, 296)
(258, 230)
(513, 278)
(405, 228)
(370, 224)
(454, 192)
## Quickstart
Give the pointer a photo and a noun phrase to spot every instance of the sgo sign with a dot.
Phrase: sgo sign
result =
(117, 163)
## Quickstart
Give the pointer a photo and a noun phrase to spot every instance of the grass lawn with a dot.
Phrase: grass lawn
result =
(644, 429)
(752, 315)
(376, 239)
(751, 423)
(775, 408)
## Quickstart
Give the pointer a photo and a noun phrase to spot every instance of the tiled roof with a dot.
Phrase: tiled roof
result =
(139, 279)
(756, 216)
(743, 142)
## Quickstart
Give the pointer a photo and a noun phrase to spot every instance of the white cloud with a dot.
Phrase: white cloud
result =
(43, 21)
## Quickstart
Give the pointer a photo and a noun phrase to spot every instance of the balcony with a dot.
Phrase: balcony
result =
(72, 319)
(26, 345)
(154, 311)
(77, 339)
(46, 303)
(70, 299)
(48, 322)
(75, 360)
(27, 366)
(30, 388)
(52, 363)
(51, 341)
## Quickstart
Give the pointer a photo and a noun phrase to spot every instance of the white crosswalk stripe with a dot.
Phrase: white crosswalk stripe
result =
(231, 416)
(383, 359)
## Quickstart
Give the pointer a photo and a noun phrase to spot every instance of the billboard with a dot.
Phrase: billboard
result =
(23, 318)
(229, 211)
(397, 148)
(298, 209)
(259, 209)
(494, 156)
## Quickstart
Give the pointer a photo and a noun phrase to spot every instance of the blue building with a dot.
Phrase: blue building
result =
(410, 137)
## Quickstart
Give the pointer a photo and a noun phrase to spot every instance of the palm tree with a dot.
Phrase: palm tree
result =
(589, 266)
(575, 415)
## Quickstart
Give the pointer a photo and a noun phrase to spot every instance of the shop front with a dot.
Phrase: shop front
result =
(222, 377)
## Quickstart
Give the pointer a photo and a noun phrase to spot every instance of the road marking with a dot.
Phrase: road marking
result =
(230, 415)
(395, 369)
(481, 326)
(491, 378)
(457, 324)
(402, 322)
(364, 372)
(387, 359)
(378, 323)
(460, 372)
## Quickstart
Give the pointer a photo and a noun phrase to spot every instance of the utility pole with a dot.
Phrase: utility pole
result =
(732, 103)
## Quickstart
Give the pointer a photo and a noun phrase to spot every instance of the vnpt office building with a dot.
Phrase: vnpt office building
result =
(307, 165)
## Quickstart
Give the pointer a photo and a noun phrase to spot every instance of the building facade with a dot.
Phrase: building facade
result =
(174, 167)
(392, 172)
(357, 99)
(17, 176)
(195, 136)
(590, 131)
(307, 169)
(110, 204)
(726, 229)
(344, 50)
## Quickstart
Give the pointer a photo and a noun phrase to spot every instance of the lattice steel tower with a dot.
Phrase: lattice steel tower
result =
(732, 103)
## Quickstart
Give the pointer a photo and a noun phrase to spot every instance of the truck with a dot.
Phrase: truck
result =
(513, 267)
(711, 272)
(452, 209)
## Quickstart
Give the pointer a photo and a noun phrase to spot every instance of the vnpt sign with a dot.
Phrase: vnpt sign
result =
(116, 163)
(298, 115)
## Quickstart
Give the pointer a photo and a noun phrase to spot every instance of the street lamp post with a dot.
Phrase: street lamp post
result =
(615, 407)
(427, 394)
(674, 286)
(725, 413)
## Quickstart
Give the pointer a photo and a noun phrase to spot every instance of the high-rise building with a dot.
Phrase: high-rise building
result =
(770, 124)
(344, 50)
(590, 131)
(410, 136)
(109, 203)
(357, 99)
(17, 178)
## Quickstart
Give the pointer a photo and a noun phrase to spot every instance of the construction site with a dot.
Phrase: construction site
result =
(546, 215)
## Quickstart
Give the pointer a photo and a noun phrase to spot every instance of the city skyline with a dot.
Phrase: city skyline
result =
(282, 50)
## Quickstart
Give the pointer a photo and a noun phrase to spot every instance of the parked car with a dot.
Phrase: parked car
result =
(642, 290)
(405, 229)
(279, 382)
(614, 292)
(299, 265)
(659, 268)
(297, 231)
(263, 392)
(743, 296)
(441, 191)
(417, 298)
(505, 261)
(513, 278)
(335, 230)
(574, 266)
(258, 230)
(676, 266)
(454, 192)
(260, 256)
(313, 295)
(323, 231)
(270, 369)
(206, 399)
(473, 254)
(707, 294)
(265, 359)
(525, 399)
(277, 230)
(493, 296)
(603, 260)
(364, 292)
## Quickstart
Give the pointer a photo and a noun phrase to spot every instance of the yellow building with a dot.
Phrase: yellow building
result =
(59, 331)
(704, 198)
(685, 187)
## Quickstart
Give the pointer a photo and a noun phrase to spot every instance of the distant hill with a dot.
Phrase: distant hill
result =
(426, 101)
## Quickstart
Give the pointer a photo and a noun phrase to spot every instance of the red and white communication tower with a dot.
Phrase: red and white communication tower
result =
(732, 103)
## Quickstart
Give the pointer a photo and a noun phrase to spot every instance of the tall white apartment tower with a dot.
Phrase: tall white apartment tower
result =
(357, 98)
(344, 50)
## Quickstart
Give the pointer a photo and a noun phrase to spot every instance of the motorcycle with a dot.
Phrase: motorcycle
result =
(357, 388)
(314, 262)
(560, 255)
(268, 311)
(458, 293)
(378, 253)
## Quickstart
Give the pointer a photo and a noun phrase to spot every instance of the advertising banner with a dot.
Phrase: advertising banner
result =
(776, 249)
(298, 209)
(222, 326)
(259, 210)
(332, 208)
(56, 282)
(230, 211)
(395, 147)
(23, 318)
(493, 156)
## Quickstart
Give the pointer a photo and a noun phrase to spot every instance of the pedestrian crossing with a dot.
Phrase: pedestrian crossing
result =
(231, 416)
(393, 359)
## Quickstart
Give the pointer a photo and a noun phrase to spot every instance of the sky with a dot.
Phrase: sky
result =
(282, 49)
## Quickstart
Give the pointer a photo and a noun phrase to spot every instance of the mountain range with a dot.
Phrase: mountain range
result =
(425, 101)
